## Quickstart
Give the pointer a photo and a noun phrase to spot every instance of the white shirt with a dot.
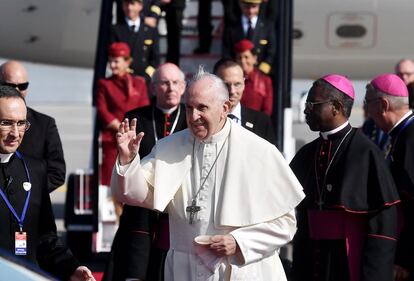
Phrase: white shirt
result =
(245, 23)
(136, 23)
(237, 113)
(5, 158)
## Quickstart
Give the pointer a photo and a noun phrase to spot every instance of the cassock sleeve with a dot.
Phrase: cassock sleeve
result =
(258, 241)
(378, 255)
(129, 185)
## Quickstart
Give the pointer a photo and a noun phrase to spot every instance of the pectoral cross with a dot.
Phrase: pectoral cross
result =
(320, 203)
(193, 209)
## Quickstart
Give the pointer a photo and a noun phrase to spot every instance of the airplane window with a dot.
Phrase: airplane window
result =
(351, 31)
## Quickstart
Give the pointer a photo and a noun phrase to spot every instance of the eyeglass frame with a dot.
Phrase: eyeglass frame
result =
(310, 105)
(19, 124)
(21, 86)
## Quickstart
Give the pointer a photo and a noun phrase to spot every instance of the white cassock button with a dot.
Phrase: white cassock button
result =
(27, 186)
(329, 187)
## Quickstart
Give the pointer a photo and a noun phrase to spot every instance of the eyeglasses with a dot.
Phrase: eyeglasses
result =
(20, 87)
(310, 105)
(368, 101)
(8, 125)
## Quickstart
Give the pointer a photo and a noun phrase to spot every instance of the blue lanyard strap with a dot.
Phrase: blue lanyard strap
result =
(20, 220)
(394, 141)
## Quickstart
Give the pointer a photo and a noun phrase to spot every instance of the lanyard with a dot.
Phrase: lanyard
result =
(394, 142)
(20, 220)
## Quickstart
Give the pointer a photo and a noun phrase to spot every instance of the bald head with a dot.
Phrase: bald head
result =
(13, 73)
(405, 70)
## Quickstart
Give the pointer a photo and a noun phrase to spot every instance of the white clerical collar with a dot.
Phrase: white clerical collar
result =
(136, 23)
(245, 22)
(237, 113)
(221, 135)
(409, 112)
(326, 134)
(5, 158)
(167, 110)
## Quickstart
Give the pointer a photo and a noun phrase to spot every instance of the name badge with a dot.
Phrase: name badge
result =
(20, 242)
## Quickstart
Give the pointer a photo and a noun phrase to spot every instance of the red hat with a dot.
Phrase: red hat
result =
(243, 45)
(341, 83)
(390, 84)
(119, 49)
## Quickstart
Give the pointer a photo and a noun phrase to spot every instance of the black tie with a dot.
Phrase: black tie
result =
(232, 116)
(132, 27)
(249, 34)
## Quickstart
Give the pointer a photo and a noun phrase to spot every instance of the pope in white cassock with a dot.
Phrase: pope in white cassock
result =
(216, 179)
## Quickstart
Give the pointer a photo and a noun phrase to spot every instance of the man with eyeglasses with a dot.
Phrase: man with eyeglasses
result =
(43, 141)
(387, 103)
(257, 122)
(347, 225)
(28, 228)
(142, 240)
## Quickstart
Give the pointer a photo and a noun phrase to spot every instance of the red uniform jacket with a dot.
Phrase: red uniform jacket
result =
(258, 93)
(115, 96)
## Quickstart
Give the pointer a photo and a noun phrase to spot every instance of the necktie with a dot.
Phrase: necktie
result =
(232, 116)
(249, 34)
(132, 27)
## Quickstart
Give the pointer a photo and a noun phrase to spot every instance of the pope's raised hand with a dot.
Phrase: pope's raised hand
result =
(128, 141)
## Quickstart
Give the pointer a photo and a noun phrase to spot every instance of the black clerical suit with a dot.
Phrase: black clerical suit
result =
(134, 250)
(348, 190)
(258, 123)
(263, 39)
(43, 246)
(42, 141)
(143, 44)
(401, 157)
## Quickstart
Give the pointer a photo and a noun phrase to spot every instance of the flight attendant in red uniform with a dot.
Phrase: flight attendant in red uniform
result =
(258, 91)
(116, 95)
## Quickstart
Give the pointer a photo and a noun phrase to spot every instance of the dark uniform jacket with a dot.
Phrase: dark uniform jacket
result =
(263, 40)
(258, 123)
(134, 253)
(43, 246)
(143, 44)
(42, 141)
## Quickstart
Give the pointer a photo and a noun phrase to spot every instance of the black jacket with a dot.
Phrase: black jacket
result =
(42, 141)
(259, 123)
(43, 245)
(143, 44)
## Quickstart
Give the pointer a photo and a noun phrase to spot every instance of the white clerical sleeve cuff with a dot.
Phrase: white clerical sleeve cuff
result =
(129, 186)
(261, 240)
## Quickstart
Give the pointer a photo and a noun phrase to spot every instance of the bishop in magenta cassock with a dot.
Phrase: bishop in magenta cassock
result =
(347, 223)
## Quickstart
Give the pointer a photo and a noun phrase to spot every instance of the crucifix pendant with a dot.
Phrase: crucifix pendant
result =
(193, 209)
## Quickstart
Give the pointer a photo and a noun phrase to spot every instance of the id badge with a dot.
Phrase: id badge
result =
(20, 242)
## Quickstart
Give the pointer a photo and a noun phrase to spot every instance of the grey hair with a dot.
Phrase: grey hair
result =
(395, 102)
(220, 89)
